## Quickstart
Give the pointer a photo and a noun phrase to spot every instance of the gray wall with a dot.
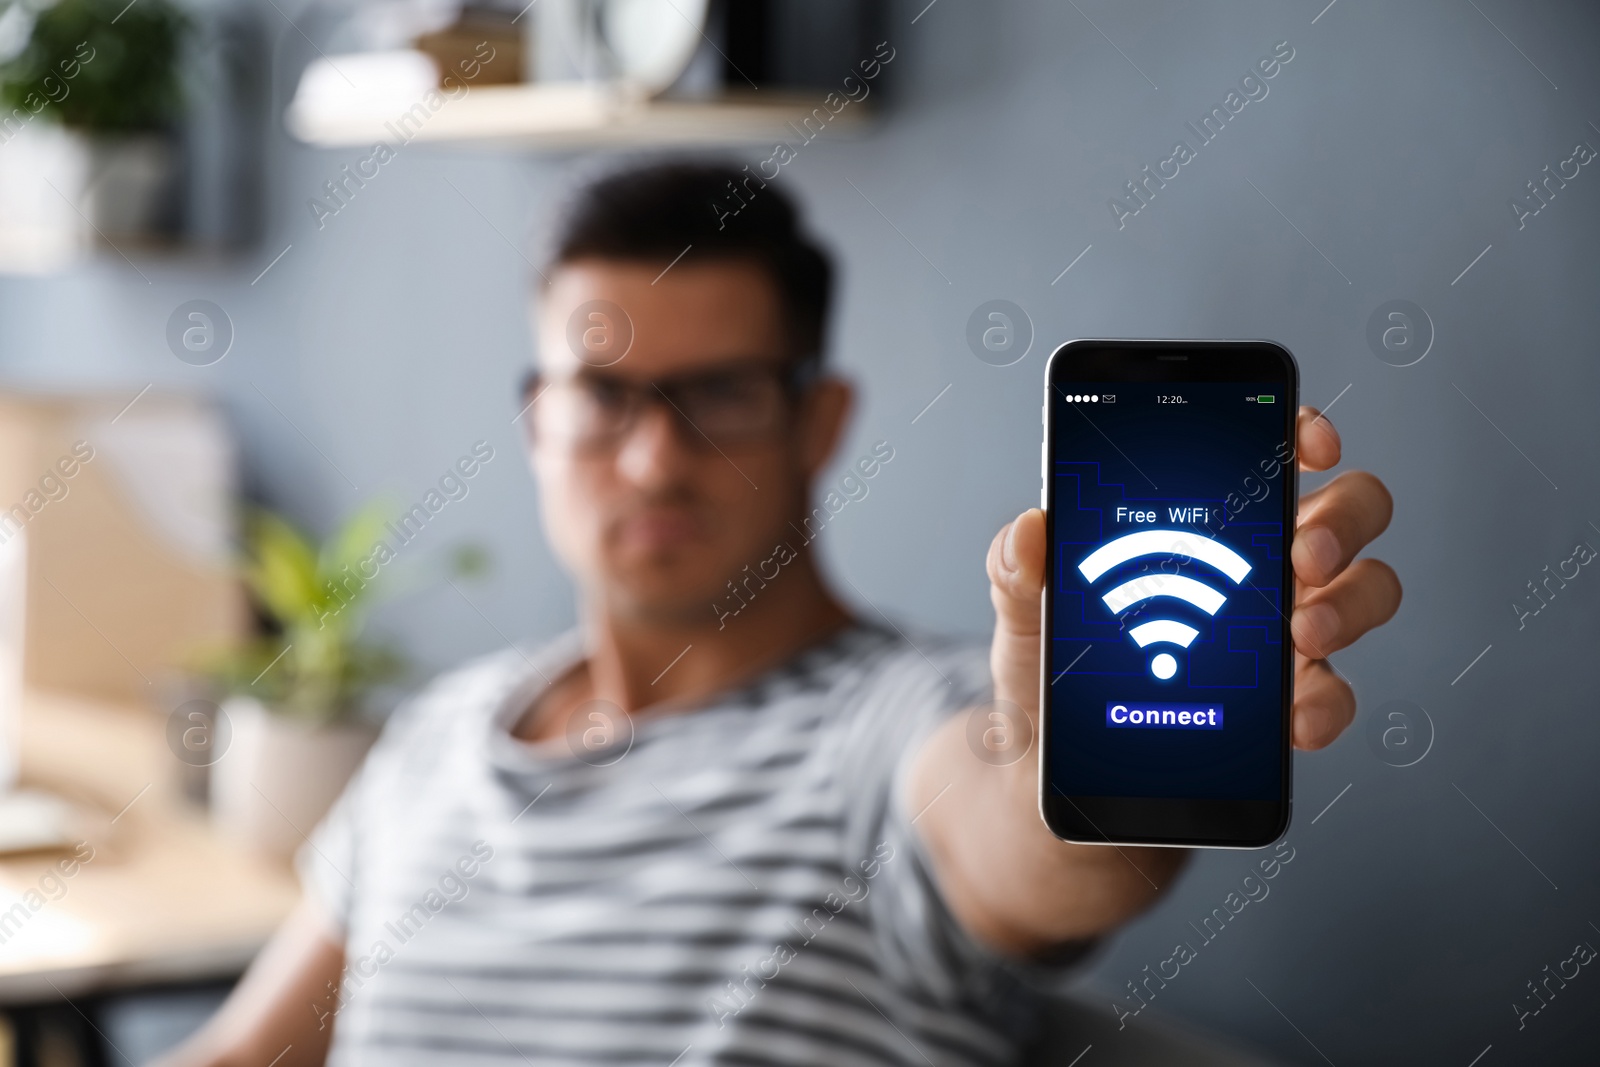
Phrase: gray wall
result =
(1407, 922)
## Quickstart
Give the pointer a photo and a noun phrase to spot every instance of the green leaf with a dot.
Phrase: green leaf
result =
(102, 65)
(317, 669)
(470, 561)
(282, 570)
(353, 543)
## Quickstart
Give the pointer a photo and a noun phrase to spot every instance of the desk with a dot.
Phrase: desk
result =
(164, 899)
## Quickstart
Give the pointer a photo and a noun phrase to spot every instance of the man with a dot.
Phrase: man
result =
(724, 819)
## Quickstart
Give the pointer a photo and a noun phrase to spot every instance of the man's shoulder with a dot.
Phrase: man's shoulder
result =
(917, 679)
(913, 660)
(936, 648)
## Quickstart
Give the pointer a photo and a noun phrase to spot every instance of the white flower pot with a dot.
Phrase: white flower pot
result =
(62, 189)
(44, 175)
(278, 776)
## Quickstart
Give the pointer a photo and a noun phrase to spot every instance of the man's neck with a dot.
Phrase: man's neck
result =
(637, 663)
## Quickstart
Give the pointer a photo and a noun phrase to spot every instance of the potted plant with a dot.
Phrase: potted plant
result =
(293, 717)
(109, 73)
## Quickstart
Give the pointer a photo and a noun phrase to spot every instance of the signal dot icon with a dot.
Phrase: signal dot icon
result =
(1166, 543)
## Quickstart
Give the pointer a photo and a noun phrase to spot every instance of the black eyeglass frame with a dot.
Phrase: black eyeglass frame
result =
(796, 377)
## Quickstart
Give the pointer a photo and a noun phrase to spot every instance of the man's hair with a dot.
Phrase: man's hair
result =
(654, 212)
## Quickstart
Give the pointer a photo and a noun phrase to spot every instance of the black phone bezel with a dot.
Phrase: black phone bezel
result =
(1181, 822)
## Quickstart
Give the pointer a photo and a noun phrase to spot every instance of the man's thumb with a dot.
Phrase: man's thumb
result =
(1016, 579)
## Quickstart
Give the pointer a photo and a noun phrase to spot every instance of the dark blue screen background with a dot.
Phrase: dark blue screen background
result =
(1215, 448)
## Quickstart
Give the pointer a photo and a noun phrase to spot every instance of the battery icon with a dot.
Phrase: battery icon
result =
(1266, 398)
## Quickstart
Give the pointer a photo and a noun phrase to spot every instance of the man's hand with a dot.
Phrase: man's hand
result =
(1337, 598)
(1010, 881)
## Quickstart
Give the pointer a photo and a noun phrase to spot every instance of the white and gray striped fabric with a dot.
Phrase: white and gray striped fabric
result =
(743, 886)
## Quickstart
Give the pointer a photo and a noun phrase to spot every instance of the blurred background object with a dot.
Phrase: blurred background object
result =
(103, 117)
(118, 91)
(622, 73)
(453, 47)
(117, 531)
(299, 696)
(295, 693)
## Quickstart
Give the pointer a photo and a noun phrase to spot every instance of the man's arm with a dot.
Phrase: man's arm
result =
(283, 1007)
(1010, 882)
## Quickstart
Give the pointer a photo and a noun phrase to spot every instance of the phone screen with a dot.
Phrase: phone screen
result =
(1169, 508)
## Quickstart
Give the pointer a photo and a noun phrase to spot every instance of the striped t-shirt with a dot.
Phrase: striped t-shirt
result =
(740, 883)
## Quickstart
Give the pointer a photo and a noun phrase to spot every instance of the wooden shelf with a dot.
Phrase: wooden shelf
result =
(578, 115)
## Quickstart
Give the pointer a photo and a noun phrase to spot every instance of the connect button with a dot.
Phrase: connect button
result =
(1164, 716)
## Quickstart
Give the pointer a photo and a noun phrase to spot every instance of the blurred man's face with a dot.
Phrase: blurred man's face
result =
(656, 498)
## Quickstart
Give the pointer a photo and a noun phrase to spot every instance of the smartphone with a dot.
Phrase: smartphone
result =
(1169, 493)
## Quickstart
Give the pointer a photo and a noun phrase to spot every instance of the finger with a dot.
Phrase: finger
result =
(1323, 705)
(1016, 579)
(1362, 598)
(1016, 572)
(1336, 522)
(1316, 441)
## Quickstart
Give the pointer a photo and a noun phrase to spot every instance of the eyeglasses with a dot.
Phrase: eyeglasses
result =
(723, 407)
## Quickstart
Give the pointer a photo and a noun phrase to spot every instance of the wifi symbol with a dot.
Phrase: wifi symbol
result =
(1164, 543)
